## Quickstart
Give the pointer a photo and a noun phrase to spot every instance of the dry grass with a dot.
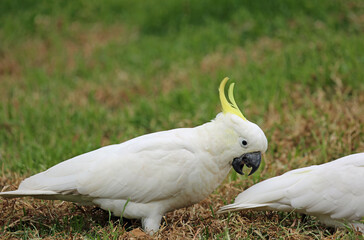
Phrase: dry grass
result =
(310, 128)
(239, 57)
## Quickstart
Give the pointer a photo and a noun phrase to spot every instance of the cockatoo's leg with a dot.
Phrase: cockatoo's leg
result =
(330, 222)
(151, 224)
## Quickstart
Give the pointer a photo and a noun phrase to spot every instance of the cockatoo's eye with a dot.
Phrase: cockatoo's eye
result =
(244, 143)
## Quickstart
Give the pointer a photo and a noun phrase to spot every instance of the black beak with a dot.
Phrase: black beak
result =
(250, 160)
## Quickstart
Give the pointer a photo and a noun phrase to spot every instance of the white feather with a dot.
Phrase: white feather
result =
(334, 192)
(150, 175)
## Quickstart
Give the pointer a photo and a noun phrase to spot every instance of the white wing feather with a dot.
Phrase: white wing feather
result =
(116, 171)
(334, 189)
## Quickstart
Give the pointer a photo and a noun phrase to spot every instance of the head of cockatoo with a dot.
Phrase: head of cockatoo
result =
(245, 139)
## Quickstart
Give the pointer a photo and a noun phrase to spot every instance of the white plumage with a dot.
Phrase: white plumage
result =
(147, 176)
(333, 192)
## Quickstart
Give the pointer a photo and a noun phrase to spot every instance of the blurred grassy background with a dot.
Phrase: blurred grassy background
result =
(77, 75)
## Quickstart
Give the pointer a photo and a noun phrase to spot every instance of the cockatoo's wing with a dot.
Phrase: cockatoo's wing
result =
(334, 189)
(141, 170)
(157, 169)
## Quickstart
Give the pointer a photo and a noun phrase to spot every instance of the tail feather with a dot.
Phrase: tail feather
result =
(27, 193)
(238, 207)
(71, 196)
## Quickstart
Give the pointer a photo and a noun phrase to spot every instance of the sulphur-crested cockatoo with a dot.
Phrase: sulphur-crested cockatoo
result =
(147, 176)
(333, 192)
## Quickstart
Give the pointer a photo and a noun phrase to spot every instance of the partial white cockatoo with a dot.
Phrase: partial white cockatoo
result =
(333, 192)
(147, 176)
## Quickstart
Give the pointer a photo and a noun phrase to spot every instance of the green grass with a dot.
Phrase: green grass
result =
(77, 75)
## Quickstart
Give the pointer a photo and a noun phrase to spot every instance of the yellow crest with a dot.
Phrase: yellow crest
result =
(231, 106)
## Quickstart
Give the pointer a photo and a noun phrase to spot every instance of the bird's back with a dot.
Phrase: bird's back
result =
(151, 163)
(334, 189)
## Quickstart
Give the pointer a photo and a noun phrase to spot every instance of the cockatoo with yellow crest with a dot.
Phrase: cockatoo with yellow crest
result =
(147, 176)
(333, 192)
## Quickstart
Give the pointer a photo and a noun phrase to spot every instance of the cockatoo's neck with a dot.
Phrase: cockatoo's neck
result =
(215, 158)
(219, 141)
